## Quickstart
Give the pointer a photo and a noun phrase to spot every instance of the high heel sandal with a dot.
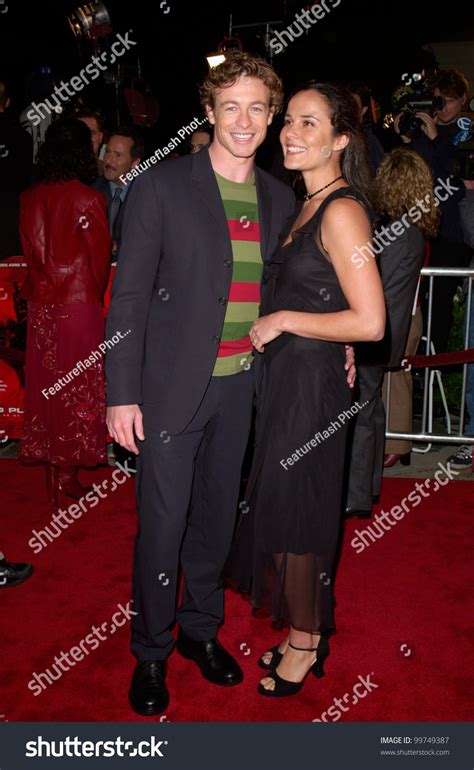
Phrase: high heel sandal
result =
(283, 687)
(275, 661)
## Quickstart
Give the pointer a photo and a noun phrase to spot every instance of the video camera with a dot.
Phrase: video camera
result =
(408, 100)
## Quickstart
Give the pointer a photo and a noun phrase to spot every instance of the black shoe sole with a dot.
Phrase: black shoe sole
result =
(358, 515)
(149, 712)
(188, 656)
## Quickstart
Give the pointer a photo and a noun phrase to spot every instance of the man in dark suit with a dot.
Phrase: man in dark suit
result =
(400, 264)
(123, 152)
(186, 292)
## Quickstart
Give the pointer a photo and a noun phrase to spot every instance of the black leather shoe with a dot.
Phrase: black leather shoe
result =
(216, 664)
(349, 512)
(13, 574)
(148, 694)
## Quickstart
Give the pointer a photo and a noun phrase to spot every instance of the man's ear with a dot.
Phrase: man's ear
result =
(136, 162)
(210, 115)
(271, 115)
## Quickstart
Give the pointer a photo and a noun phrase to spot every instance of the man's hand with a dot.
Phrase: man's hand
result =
(124, 423)
(428, 125)
(350, 366)
(396, 126)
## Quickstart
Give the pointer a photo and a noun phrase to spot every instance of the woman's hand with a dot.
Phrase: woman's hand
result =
(264, 330)
(350, 366)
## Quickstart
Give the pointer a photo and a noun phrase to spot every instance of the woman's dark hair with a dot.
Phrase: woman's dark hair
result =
(67, 153)
(344, 116)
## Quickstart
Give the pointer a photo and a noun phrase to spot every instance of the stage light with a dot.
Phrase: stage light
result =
(214, 59)
(229, 43)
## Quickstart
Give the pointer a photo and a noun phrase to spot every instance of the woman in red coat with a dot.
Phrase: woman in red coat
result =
(66, 244)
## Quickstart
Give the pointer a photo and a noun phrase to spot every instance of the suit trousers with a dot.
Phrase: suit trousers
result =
(401, 393)
(187, 496)
(366, 442)
(445, 253)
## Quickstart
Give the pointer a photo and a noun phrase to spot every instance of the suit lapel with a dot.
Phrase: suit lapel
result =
(204, 181)
(264, 212)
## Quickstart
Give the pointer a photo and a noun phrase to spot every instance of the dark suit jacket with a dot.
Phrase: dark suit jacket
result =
(400, 263)
(172, 282)
(102, 184)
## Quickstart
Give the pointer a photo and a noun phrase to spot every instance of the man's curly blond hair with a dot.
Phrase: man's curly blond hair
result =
(236, 64)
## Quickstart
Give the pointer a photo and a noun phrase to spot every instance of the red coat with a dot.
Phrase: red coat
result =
(66, 243)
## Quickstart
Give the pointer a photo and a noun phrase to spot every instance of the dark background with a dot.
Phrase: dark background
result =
(374, 41)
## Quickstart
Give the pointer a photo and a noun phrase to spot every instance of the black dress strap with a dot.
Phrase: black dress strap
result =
(343, 192)
(313, 225)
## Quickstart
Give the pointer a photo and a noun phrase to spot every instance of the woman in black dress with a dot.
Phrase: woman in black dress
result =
(314, 300)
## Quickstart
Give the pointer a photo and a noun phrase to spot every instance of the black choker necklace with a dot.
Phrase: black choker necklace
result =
(308, 197)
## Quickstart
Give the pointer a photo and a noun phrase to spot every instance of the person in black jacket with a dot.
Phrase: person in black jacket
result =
(124, 151)
(402, 178)
(174, 400)
(437, 142)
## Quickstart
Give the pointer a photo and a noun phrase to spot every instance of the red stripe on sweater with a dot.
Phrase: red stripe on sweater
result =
(243, 231)
(232, 347)
(241, 291)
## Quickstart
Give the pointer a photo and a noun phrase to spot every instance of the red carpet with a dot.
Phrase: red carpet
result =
(402, 618)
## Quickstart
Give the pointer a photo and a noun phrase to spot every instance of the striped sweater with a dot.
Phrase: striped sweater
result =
(240, 204)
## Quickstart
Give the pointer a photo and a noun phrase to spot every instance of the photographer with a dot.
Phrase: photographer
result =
(437, 140)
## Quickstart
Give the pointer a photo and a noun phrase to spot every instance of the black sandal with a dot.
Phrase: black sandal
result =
(283, 687)
(318, 671)
(275, 661)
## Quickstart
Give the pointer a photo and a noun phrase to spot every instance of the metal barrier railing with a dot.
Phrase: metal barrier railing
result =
(424, 435)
